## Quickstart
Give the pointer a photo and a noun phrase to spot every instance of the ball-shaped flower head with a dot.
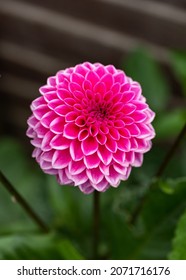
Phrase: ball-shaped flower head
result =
(90, 126)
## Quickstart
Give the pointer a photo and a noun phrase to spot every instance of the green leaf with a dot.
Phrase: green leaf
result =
(141, 66)
(151, 236)
(32, 246)
(178, 61)
(179, 243)
(28, 180)
(169, 124)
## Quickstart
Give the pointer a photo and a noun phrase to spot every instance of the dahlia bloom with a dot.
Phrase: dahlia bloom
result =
(90, 126)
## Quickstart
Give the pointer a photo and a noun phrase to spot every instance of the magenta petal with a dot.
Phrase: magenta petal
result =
(40, 130)
(57, 125)
(89, 146)
(102, 186)
(80, 178)
(108, 80)
(104, 168)
(119, 156)
(86, 187)
(32, 121)
(61, 159)
(40, 111)
(113, 178)
(63, 178)
(101, 138)
(138, 160)
(77, 78)
(111, 145)
(100, 88)
(92, 77)
(62, 110)
(123, 144)
(105, 155)
(46, 141)
(75, 150)
(133, 130)
(47, 156)
(92, 161)
(95, 175)
(83, 134)
(60, 143)
(138, 116)
(70, 131)
(48, 118)
(128, 108)
(76, 167)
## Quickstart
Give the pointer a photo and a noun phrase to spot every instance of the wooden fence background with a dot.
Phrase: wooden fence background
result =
(37, 38)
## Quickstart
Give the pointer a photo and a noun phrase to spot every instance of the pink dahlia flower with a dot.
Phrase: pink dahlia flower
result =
(90, 125)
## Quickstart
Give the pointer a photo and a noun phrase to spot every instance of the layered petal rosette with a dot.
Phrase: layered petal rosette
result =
(90, 126)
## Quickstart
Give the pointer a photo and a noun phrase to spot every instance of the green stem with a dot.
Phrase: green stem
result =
(96, 223)
(18, 198)
(158, 174)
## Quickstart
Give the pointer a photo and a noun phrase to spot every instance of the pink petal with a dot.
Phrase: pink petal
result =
(74, 87)
(113, 132)
(127, 96)
(47, 156)
(40, 130)
(128, 109)
(32, 121)
(75, 150)
(123, 144)
(94, 175)
(101, 138)
(77, 78)
(61, 159)
(63, 93)
(62, 110)
(76, 167)
(92, 77)
(70, 131)
(100, 88)
(86, 187)
(111, 145)
(89, 146)
(138, 160)
(133, 130)
(104, 154)
(46, 141)
(104, 168)
(119, 156)
(60, 143)
(107, 79)
(138, 116)
(57, 125)
(93, 129)
(101, 186)
(51, 81)
(71, 116)
(114, 178)
(40, 111)
(48, 118)
(92, 161)
(63, 178)
(83, 134)
(119, 78)
(80, 178)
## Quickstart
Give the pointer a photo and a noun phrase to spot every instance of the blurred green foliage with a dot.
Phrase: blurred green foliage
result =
(158, 233)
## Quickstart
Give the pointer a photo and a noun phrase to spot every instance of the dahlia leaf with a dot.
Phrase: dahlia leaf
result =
(32, 246)
(179, 242)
